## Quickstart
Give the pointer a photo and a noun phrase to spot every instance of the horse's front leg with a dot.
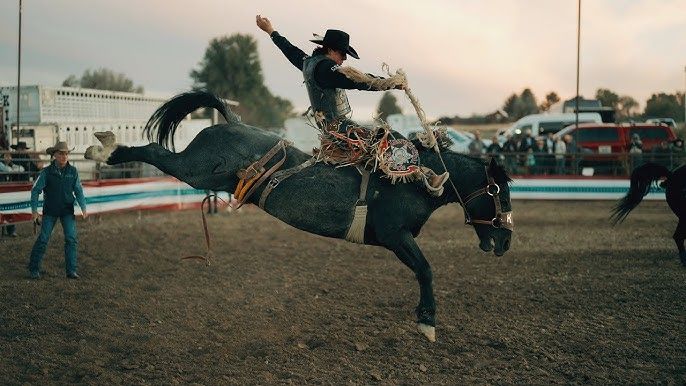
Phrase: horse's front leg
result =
(404, 246)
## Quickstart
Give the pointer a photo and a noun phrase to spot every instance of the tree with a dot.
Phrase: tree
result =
(231, 69)
(665, 106)
(388, 105)
(509, 105)
(550, 99)
(607, 98)
(625, 107)
(517, 106)
(103, 79)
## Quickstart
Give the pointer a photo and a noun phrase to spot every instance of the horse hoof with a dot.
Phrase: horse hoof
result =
(428, 331)
(102, 153)
(107, 138)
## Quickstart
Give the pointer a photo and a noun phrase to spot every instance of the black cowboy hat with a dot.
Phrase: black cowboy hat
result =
(338, 40)
(19, 145)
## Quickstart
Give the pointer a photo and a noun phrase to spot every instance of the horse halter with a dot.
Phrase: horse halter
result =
(501, 219)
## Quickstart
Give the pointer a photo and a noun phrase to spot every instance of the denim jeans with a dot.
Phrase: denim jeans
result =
(70, 241)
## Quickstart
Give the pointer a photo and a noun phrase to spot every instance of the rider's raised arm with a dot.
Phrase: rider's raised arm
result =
(294, 54)
(327, 76)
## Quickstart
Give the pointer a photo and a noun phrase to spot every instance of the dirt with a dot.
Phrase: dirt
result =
(574, 301)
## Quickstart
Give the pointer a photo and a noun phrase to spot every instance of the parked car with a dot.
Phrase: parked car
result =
(606, 146)
(542, 124)
(610, 138)
(665, 121)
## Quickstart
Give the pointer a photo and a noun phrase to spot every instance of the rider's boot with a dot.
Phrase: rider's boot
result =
(434, 183)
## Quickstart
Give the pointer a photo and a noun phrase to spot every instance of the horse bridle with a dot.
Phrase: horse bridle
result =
(501, 219)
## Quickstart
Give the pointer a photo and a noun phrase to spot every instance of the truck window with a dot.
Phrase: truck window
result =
(596, 134)
(554, 126)
(659, 133)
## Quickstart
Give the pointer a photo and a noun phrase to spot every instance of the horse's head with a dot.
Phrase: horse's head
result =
(485, 194)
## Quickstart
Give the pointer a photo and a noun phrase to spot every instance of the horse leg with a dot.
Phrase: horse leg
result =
(679, 236)
(406, 249)
(198, 171)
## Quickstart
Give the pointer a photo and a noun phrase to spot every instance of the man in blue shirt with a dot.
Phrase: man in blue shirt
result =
(61, 186)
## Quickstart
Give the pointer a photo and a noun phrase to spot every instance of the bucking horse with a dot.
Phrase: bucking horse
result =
(321, 198)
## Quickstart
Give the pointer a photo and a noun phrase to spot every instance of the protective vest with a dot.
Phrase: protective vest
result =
(58, 194)
(332, 102)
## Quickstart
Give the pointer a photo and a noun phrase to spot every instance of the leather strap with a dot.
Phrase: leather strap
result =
(280, 176)
(248, 173)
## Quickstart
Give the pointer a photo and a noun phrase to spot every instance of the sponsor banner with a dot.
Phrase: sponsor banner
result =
(171, 194)
(575, 189)
(109, 196)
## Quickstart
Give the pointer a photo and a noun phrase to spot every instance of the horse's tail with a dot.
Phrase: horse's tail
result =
(641, 180)
(164, 122)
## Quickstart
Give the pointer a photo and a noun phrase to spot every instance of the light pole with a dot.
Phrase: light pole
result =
(684, 100)
(18, 73)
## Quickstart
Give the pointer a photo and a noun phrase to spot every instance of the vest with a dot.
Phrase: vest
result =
(58, 194)
(332, 102)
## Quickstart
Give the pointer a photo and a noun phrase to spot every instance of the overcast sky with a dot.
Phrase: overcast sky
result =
(461, 56)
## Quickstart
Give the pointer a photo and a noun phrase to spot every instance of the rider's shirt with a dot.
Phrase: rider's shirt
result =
(325, 74)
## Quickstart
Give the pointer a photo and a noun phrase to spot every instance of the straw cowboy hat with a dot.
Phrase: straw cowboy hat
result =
(337, 40)
(59, 146)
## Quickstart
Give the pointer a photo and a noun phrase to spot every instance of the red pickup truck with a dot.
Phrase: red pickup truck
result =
(610, 138)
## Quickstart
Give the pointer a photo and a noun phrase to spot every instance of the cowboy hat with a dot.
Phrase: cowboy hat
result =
(19, 145)
(338, 40)
(59, 146)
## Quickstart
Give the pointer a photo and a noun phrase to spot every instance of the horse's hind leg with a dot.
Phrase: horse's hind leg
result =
(679, 236)
(404, 246)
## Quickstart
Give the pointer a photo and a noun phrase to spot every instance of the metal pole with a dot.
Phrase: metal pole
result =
(578, 50)
(18, 72)
(684, 100)
(576, 115)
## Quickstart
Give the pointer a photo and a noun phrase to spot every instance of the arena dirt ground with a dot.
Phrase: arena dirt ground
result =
(574, 301)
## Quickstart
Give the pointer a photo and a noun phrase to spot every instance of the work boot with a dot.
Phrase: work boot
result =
(434, 184)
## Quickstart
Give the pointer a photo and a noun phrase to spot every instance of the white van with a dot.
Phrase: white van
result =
(542, 124)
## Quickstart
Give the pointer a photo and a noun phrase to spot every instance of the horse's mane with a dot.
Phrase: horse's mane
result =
(496, 170)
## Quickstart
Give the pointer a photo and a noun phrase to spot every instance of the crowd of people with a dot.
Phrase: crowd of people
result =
(558, 155)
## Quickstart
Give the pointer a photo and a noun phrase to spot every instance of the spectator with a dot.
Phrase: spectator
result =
(495, 150)
(677, 148)
(510, 150)
(560, 151)
(25, 159)
(476, 147)
(10, 172)
(527, 142)
(635, 151)
(539, 153)
(572, 154)
(60, 184)
(662, 154)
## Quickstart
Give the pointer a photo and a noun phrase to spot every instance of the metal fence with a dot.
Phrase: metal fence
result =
(518, 164)
(24, 167)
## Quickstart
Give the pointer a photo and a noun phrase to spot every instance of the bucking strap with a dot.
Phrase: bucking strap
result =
(254, 175)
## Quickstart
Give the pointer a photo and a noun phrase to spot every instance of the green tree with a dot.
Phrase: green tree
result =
(607, 98)
(517, 106)
(626, 107)
(388, 105)
(664, 105)
(103, 79)
(231, 69)
(550, 99)
(509, 105)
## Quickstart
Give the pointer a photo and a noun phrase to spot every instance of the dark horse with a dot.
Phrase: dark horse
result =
(642, 178)
(320, 199)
